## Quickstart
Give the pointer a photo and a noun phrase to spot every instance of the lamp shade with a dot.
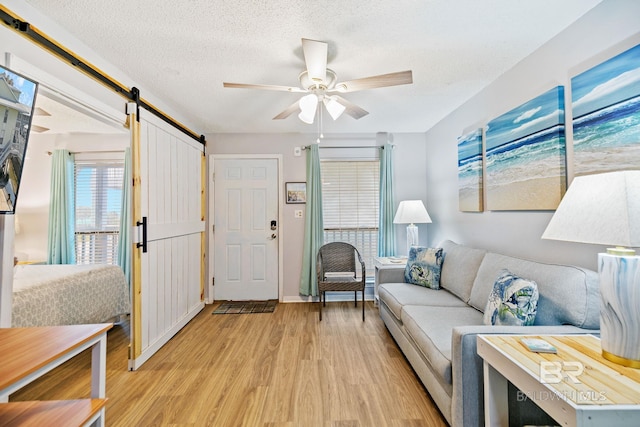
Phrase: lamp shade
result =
(308, 105)
(411, 212)
(599, 209)
(334, 108)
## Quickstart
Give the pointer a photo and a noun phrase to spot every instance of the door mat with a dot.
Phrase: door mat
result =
(245, 307)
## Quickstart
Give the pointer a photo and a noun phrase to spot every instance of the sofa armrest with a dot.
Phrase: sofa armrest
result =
(467, 404)
(390, 275)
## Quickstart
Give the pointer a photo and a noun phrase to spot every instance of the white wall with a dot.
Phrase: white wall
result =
(409, 154)
(609, 29)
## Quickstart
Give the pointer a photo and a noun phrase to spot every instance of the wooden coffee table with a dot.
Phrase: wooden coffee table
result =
(576, 386)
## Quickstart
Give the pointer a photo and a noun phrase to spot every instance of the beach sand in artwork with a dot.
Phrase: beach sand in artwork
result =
(533, 194)
(600, 160)
(469, 200)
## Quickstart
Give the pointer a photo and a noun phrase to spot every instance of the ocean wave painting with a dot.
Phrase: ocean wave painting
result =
(526, 155)
(606, 115)
(470, 172)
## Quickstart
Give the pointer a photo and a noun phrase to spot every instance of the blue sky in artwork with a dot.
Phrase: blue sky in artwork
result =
(27, 87)
(542, 112)
(470, 145)
(608, 83)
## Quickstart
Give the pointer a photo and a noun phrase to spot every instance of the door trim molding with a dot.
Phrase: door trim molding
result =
(212, 158)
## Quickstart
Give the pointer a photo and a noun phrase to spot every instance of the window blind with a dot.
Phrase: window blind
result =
(98, 201)
(350, 204)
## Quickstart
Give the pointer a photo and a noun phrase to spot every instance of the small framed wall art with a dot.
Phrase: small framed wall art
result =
(296, 192)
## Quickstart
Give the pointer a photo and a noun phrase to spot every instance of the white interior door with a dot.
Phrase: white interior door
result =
(246, 230)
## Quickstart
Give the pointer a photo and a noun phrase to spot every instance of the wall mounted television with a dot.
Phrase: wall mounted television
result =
(17, 104)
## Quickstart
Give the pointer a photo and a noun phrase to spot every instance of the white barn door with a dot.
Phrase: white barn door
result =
(168, 261)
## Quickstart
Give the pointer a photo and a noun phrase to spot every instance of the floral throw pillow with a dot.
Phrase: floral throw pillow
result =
(513, 301)
(423, 267)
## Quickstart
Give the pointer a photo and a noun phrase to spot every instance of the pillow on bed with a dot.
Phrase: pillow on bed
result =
(423, 267)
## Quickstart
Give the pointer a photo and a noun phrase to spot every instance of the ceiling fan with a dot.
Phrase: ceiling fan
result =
(319, 82)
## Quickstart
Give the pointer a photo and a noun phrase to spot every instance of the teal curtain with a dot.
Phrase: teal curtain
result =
(313, 226)
(124, 241)
(60, 245)
(386, 229)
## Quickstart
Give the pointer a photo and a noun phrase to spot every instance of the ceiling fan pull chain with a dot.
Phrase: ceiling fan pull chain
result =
(320, 135)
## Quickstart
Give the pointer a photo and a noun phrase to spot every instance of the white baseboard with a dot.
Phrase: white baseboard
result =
(332, 296)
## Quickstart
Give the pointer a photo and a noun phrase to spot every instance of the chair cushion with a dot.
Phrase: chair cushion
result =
(431, 329)
(512, 301)
(396, 295)
(423, 267)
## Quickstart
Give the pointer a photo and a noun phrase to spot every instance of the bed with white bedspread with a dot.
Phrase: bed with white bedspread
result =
(50, 295)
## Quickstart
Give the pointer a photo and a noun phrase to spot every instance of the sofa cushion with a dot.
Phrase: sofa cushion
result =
(512, 301)
(397, 295)
(568, 295)
(423, 267)
(459, 268)
(431, 329)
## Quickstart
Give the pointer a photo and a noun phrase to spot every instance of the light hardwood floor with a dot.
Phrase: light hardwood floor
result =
(280, 369)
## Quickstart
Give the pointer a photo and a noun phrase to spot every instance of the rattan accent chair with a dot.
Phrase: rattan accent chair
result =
(336, 267)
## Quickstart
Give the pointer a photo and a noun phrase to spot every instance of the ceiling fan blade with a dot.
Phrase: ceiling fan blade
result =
(383, 80)
(351, 109)
(315, 57)
(288, 111)
(264, 87)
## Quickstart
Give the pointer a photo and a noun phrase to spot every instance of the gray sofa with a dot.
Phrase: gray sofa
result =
(436, 329)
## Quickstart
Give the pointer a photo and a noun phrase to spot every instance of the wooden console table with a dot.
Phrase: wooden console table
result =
(576, 386)
(29, 353)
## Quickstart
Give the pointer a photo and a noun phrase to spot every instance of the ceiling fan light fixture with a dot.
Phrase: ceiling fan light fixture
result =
(308, 105)
(334, 108)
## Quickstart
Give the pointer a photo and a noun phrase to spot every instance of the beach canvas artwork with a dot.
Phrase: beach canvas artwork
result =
(606, 115)
(470, 172)
(526, 155)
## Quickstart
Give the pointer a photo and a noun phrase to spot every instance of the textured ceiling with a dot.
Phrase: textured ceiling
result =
(182, 52)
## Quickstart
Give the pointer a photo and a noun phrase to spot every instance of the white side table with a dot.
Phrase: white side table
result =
(386, 263)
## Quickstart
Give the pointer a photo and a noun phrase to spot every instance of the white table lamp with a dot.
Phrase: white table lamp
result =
(604, 209)
(411, 212)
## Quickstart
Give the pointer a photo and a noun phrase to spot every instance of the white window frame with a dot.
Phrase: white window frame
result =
(359, 230)
(97, 244)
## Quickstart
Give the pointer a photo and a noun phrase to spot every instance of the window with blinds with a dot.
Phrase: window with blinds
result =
(350, 204)
(98, 200)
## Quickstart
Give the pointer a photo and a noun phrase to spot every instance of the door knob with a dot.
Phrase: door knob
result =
(273, 236)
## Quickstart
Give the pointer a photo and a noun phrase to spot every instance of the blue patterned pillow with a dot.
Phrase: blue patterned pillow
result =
(423, 267)
(513, 301)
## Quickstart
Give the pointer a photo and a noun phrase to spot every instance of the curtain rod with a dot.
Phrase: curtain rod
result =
(91, 152)
(306, 147)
